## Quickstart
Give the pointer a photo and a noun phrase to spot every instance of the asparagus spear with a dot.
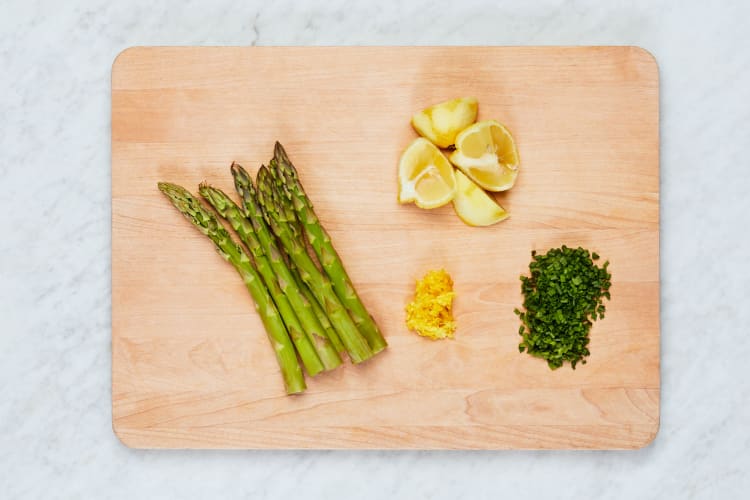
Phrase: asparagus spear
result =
(281, 196)
(316, 351)
(303, 302)
(327, 255)
(317, 310)
(320, 285)
(208, 224)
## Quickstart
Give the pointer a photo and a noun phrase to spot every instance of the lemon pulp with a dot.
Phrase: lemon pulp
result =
(426, 177)
(442, 122)
(487, 153)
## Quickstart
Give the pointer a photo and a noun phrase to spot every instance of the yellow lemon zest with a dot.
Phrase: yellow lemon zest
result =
(430, 313)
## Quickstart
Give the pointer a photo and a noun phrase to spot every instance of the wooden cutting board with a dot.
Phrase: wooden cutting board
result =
(191, 365)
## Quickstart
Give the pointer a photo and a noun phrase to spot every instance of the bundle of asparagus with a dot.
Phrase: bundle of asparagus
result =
(315, 313)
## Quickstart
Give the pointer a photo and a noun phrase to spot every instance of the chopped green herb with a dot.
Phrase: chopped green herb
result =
(562, 297)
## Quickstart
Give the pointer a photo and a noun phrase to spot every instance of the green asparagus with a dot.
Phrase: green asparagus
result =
(316, 352)
(317, 310)
(302, 301)
(356, 345)
(208, 224)
(327, 255)
(280, 196)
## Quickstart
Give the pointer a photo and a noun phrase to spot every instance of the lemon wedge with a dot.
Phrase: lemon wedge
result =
(425, 176)
(442, 122)
(487, 153)
(474, 206)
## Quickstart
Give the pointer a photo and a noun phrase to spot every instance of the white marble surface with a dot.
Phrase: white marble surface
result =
(55, 430)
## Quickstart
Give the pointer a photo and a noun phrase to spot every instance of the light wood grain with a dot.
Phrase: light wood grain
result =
(190, 362)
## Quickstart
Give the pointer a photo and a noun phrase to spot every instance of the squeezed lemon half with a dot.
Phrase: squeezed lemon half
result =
(487, 153)
(474, 206)
(425, 176)
(442, 122)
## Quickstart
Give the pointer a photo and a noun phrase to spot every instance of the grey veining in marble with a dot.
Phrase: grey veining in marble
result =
(55, 430)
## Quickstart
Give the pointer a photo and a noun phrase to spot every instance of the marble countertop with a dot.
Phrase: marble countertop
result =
(55, 410)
